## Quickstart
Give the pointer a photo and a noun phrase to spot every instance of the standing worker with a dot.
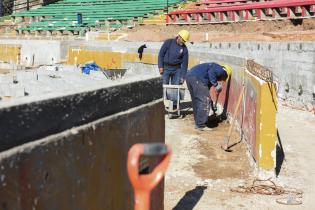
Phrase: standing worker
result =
(199, 81)
(173, 60)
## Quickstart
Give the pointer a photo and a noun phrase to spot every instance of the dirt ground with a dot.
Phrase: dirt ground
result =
(201, 175)
(282, 30)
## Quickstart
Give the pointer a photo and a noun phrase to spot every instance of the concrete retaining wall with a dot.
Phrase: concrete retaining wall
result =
(31, 121)
(84, 167)
(70, 152)
(291, 62)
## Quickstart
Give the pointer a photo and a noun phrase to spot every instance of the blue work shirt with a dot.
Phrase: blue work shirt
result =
(208, 73)
(173, 55)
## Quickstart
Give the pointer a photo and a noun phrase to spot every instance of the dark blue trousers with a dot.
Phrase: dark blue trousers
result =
(200, 100)
(172, 77)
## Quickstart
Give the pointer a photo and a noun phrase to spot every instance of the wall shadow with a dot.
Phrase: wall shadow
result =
(280, 156)
(190, 199)
(223, 115)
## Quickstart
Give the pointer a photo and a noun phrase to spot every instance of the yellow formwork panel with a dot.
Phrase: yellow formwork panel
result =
(130, 57)
(113, 60)
(266, 129)
(10, 53)
(149, 58)
(109, 60)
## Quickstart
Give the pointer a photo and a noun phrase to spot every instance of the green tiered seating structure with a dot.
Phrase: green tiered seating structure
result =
(62, 15)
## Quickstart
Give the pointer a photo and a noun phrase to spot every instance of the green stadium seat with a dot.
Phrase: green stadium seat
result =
(62, 15)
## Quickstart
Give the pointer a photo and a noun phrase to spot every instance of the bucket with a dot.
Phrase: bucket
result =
(172, 94)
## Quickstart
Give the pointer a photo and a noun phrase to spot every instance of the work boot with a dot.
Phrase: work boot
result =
(203, 128)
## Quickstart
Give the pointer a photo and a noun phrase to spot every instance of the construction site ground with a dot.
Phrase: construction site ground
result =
(201, 175)
(281, 30)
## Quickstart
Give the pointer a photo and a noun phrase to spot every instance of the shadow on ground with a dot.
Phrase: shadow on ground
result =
(279, 155)
(190, 199)
(185, 109)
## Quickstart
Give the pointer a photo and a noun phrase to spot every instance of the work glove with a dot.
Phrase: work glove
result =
(218, 88)
(161, 70)
(181, 81)
(214, 108)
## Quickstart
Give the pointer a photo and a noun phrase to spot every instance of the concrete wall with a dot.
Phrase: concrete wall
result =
(44, 51)
(81, 168)
(70, 152)
(291, 62)
(37, 119)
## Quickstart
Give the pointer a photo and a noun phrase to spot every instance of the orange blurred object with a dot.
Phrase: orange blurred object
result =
(144, 184)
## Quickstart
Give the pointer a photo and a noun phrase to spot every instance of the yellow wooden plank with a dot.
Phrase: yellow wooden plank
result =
(267, 127)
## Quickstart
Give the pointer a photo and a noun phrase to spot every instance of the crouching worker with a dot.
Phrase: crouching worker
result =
(199, 81)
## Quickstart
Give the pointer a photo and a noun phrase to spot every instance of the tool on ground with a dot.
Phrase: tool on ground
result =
(169, 97)
(214, 106)
(225, 146)
(268, 187)
(145, 183)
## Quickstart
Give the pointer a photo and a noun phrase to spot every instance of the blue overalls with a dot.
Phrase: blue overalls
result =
(174, 59)
(199, 81)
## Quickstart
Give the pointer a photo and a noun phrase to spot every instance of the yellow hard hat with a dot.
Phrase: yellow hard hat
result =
(228, 69)
(184, 34)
